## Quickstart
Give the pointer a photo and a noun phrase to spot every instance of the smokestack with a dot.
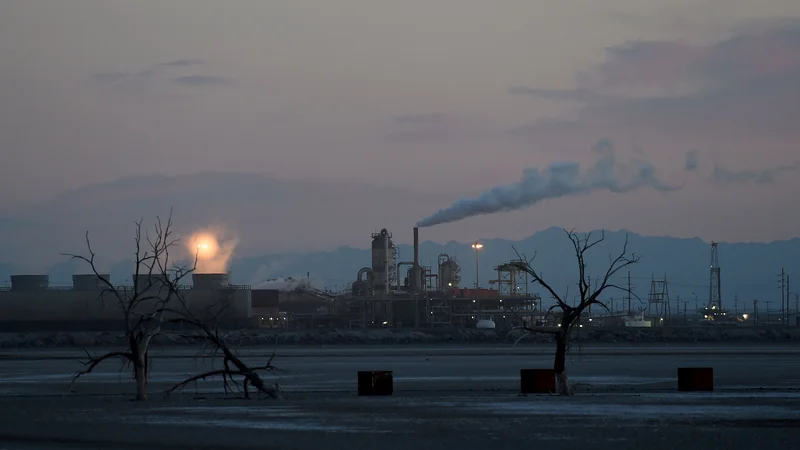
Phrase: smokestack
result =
(416, 247)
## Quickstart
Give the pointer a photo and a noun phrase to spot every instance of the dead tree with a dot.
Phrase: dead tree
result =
(587, 296)
(143, 306)
(233, 368)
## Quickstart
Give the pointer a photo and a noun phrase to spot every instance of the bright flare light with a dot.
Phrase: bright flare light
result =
(205, 245)
(213, 249)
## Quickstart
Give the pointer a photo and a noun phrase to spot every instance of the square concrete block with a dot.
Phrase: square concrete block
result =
(695, 379)
(537, 381)
(371, 383)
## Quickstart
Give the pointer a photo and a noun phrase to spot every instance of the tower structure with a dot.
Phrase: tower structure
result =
(658, 299)
(714, 288)
(511, 281)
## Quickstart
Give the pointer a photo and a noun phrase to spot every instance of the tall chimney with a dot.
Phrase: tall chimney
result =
(416, 247)
(416, 271)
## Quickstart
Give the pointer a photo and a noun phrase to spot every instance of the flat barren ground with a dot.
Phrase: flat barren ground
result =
(445, 397)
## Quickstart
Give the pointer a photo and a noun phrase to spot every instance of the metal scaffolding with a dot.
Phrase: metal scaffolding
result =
(511, 280)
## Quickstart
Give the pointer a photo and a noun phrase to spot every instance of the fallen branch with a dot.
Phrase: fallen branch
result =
(93, 362)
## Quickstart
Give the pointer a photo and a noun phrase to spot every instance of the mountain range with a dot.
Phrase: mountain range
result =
(748, 270)
(295, 228)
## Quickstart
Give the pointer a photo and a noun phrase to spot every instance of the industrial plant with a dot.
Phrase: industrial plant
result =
(388, 293)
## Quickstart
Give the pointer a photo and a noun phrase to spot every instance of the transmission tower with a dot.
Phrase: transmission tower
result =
(714, 288)
(658, 298)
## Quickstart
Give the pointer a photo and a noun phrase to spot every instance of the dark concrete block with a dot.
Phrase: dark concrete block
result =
(695, 379)
(537, 381)
(372, 383)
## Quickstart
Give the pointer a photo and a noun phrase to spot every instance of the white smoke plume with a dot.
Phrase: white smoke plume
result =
(559, 180)
(213, 247)
(284, 284)
(722, 174)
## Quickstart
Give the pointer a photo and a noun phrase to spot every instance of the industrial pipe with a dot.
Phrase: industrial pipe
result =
(399, 265)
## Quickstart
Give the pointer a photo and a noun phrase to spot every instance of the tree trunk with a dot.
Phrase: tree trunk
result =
(560, 364)
(140, 374)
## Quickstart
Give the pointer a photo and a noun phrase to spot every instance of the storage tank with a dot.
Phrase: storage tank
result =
(382, 260)
(30, 282)
(143, 280)
(210, 280)
(449, 272)
(90, 281)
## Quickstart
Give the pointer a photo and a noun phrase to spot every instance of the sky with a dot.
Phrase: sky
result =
(447, 98)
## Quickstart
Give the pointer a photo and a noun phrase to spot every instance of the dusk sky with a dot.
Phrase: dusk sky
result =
(443, 97)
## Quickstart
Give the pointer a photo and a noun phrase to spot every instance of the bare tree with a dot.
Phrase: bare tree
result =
(587, 296)
(143, 306)
(232, 366)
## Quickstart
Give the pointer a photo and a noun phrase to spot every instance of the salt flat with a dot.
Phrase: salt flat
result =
(445, 397)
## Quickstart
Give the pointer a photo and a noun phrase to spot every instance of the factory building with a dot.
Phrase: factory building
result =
(31, 303)
(388, 293)
(383, 295)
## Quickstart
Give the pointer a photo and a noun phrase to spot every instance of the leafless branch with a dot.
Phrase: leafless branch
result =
(94, 361)
(587, 295)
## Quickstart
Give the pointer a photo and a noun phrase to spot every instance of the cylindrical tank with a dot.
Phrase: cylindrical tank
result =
(449, 274)
(382, 247)
(90, 282)
(485, 324)
(210, 280)
(30, 282)
(143, 280)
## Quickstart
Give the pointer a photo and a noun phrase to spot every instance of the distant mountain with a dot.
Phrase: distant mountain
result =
(265, 213)
(280, 225)
(749, 270)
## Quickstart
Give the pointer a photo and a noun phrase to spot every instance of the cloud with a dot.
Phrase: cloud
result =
(428, 127)
(423, 119)
(554, 94)
(663, 69)
(184, 62)
(692, 160)
(152, 73)
(202, 80)
(109, 77)
(736, 94)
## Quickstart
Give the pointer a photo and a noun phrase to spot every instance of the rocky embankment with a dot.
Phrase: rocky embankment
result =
(405, 337)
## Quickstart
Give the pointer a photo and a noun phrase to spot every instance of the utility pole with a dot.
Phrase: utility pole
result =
(678, 302)
(629, 293)
(685, 307)
(736, 304)
(783, 290)
(788, 298)
(589, 283)
(755, 312)
(797, 309)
